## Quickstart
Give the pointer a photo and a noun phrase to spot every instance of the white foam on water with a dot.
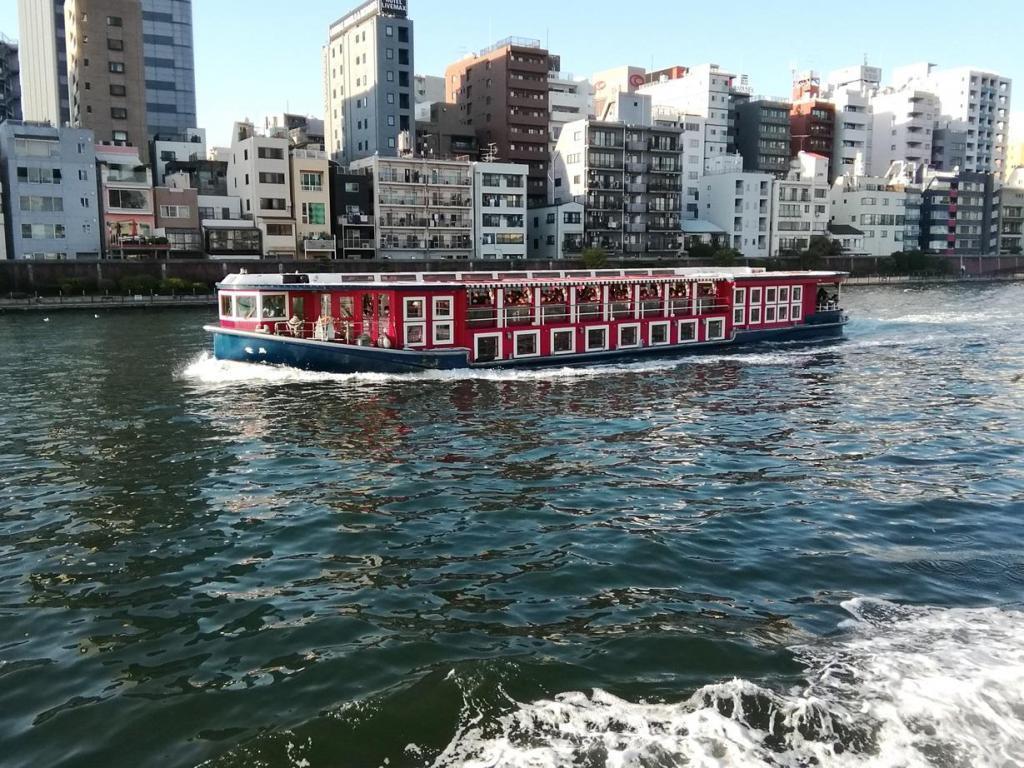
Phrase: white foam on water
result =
(207, 370)
(944, 318)
(909, 687)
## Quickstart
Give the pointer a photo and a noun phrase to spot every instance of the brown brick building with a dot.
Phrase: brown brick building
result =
(811, 120)
(502, 93)
(106, 75)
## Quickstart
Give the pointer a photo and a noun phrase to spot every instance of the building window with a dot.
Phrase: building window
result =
(114, 21)
(389, 53)
(389, 31)
(390, 98)
(114, 44)
(314, 213)
(273, 203)
(120, 136)
(270, 153)
(403, 34)
(131, 199)
(267, 177)
(117, 67)
(311, 181)
(175, 211)
(119, 113)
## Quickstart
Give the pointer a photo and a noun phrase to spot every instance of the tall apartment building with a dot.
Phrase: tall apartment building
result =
(629, 178)
(691, 140)
(886, 209)
(762, 135)
(369, 99)
(503, 94)
(44, 61)
(352, 209)
(959, 213)
(106, 74)
(979, 98)
(850, 90)
(311, 201)
(705, 91)
(800, 204)
(811, 119)
(170, 66)
(738, 202)
(49, 182)
(10, 81)
(126, 203)
(499, 210)
(424, 207)
(166, 40)
(949, 144)
(259, 173)
(903, 121)
(1011, 220)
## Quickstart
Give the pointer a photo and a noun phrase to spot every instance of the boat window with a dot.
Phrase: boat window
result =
(658, 333)
(518, 310)
(225, 305)
(555, 305)
(687, 331)
(769, 295)
(629, 335)
(618, 295)
(798, 293)
(273, 306)
(481, 308)
(769, 313)
(245, 307)
(714, 328)
(486, 347)
(797, 311)
(588, 302)
(415, 334)
(784, 294)
(527, 343)
(679, 299)
(650, 300)
(442, 308)
(384, 307)
(597, 339)
(346, 308)
(299, 307)
(705, 297)
(563, 341)
(755, 295)
(442, 333)
(783, 312)
(755, 315)
(414, 309)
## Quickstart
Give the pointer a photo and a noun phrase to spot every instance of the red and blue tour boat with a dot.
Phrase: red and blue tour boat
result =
(394, 322)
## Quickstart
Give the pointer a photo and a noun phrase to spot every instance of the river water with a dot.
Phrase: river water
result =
(776, 557)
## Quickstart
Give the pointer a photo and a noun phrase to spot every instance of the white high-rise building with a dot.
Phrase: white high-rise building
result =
(850, 90)
(259, 173)
(44, 62)
(903, 124)
(800, 204)
(499, 210)
(568, 99)
(369, 99)
(977, 97)
(703, 90)
(739, 202)
(886, 209)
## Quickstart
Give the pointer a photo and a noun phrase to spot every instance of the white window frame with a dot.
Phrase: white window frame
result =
(422, 325)
(782, 313)
(405, 309)
(679, 336)
(783, 294)
(796, 312)
(769, 308)
(755, 315)
(259, 306)
(797, 294)
(433, 333)
(586, 338)
(536, 343)
(434, 300)
(707, 328)
(476, 345)
(235, 295)
(755, 296)
(739, 296)
(668, 333)
(771, 294)
(618, 336)
(572, 335)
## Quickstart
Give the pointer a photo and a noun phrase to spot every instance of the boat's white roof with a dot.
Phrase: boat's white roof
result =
(297, 280)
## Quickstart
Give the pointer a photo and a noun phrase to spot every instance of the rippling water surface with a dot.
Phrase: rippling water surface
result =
(786, 555)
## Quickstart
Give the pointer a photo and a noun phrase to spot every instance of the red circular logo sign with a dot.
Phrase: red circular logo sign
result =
(636, 79)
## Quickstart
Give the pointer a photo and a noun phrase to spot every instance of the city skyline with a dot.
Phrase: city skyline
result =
(292, 80)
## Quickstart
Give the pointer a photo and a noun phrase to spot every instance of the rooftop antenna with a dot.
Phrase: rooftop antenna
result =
(491, 153)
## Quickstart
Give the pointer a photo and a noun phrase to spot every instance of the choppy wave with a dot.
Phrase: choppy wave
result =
(901, 687)
(207, 370)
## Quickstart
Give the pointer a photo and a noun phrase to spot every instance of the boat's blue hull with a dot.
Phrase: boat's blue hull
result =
(330, 357)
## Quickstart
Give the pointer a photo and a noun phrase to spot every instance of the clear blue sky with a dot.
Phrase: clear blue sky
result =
(257, 58)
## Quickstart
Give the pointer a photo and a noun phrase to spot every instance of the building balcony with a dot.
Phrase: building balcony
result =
(358, 244)
(572, 243)
(636, 227)
(636, 207)
(636, 186)
(636, 167)
(319, 245)
(633, 247)
(655, 146)
(657, 168)
(637, 145)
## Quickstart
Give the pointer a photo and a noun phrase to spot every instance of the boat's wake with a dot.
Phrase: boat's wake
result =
(207, 370)
(904, 687)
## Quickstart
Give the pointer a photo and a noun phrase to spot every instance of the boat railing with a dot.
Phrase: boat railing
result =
(593, 311)
(341, 330)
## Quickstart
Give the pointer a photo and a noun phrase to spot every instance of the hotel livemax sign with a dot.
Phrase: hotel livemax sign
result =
(397, 8)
